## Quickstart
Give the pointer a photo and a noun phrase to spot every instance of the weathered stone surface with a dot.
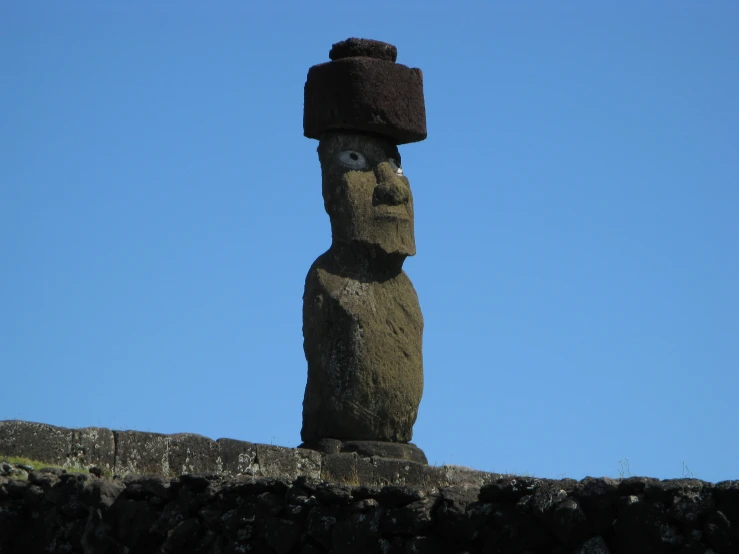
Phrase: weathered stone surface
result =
(133, 452)
(459, 475)
(320, 526)
(147, 486)
(190, 453)
(363, 47)
(510, 487)
(641, 523)
(205, 514)
(358, 531)
(363, 90)
(101, 493)
(513, 530)
(362, 323)
(461, 518)
(398, 451)
(403, 472)
(282, 534)
(596, 545)
(394, 496)
(343, 502)
(369, 449)
(347, 467)
(69, 448)
(566, 521)
(410, 520)
(18, 471)
(238, 457)
(278, 461)
(141, 453)
(634, 485)
(718, 531)
(727, 497)
(325, 446)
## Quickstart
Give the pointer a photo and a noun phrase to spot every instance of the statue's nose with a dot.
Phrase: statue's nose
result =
(390, 189)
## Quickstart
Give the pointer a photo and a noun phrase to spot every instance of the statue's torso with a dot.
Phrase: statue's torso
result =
(362, 340)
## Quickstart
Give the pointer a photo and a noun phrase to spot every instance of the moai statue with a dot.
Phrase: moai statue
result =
(362, 324)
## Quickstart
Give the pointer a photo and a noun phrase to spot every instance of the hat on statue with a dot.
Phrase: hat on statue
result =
(363, 89)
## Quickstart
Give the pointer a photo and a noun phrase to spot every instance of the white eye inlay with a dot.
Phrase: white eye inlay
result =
(352, 159)
(395, 164)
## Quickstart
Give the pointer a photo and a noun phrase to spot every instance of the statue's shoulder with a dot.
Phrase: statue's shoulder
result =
(405, 282)
(323, 276)
(319, 265)
(403, 278)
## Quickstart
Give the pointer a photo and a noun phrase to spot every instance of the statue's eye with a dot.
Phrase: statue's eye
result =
(352, 159)
(395, 164)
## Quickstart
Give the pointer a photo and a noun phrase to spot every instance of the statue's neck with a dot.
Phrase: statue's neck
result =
(365, 261)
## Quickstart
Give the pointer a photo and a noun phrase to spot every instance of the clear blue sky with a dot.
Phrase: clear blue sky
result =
(576, 223)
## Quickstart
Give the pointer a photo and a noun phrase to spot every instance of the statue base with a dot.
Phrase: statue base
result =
(366, 449)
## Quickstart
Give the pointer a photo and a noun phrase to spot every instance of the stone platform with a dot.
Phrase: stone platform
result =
(126, 453)
(368, 449)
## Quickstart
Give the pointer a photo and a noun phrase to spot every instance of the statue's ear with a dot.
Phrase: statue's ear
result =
(328, 197)
(327, 204)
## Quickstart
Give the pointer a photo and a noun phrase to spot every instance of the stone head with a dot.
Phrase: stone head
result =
(365, 193)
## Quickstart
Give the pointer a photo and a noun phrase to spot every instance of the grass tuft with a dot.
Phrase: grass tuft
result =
(36, 465)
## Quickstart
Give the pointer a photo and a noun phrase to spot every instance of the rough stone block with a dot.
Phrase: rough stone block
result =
(325, 446)
(597, 496)
(412, 519)
(362, 89)
(309, 463)
(362, 47)
(279, 461)
(37, 441)
(282, 534)
(596, 545)
(238, 457)
(727, 495)
(347, 467)
(383, 449)
(404, 472)
(421, 512)
(510, 487)
(459, 475)
(190, 453)
(92, 446)
(101, 493)
(72, 448)
(141, 453)
(567, 522)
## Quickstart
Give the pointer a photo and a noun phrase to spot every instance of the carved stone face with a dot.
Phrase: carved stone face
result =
(366, 194)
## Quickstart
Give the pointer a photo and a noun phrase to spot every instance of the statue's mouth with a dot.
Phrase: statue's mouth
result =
(391, 212)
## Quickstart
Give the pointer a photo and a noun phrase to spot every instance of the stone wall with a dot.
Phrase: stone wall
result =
(345, 504)
(124, 453)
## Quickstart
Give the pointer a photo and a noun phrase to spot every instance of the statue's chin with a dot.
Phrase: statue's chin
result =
(387, 246)
(394, 251)
(392, 238)
(372, 256)
(394, 247)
